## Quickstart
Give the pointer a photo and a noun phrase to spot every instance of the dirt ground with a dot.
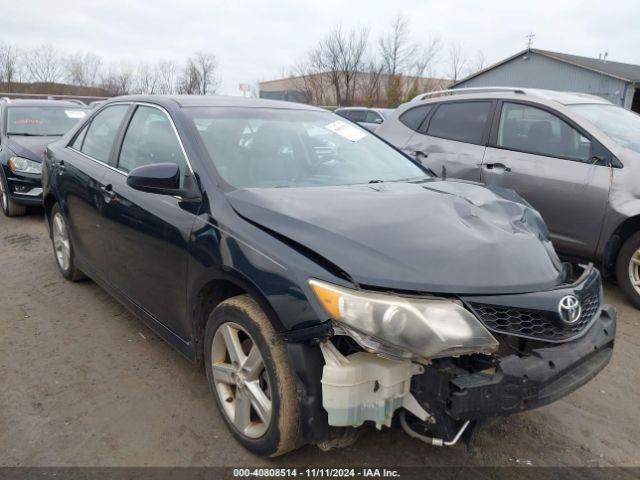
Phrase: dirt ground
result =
(83, 383)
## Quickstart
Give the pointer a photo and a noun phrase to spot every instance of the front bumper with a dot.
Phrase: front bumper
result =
(517, 383)
(24, 188)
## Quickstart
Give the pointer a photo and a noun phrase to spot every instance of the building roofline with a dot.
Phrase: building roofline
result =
(544, 53)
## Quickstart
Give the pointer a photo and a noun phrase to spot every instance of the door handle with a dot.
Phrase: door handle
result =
(108, 192)
(419, 154)
(498, 167)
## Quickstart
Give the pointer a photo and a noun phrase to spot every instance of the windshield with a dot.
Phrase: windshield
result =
(623, 126)
(259, 147)
(42, 121)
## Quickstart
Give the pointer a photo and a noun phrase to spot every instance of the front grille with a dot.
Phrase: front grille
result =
(538, 324)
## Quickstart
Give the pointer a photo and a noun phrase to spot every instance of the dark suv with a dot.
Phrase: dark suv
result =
(323, 278)
(26, 127)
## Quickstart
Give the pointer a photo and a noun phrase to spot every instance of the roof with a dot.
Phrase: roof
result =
(622, 71)
(21, 102)
(216, 101)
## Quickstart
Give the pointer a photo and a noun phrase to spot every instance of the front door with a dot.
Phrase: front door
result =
(79, 179)
(556, 169)
(149, 232)
(452, 140)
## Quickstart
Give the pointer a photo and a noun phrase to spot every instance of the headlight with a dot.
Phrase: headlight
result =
(24, 165)
(427, 328)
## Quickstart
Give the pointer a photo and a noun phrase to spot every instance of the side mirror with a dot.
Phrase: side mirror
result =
(377, 120)
(164, 179)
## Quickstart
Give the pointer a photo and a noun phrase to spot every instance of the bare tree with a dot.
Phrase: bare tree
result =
(147, 79)
(118, 80)
(340, 56)
(477, 64)
(8, 64)
(200, 74)
(43, 64)
(166, 72)
(397, 50)
(83, 69)
(457, 61)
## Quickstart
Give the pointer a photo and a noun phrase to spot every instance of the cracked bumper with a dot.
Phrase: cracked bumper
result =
(545, 375)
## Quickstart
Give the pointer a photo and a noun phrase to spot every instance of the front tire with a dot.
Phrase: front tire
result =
(8, 206)
(62, 246)
(250, 376)
(628, 269)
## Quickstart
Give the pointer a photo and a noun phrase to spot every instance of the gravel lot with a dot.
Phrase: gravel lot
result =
(83, 383)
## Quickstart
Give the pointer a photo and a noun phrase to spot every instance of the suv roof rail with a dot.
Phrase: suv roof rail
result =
(461, 91)
(75, 100)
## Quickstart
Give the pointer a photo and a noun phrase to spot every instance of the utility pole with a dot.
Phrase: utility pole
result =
(530, 40)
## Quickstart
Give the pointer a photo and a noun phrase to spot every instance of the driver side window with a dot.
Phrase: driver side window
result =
(150, 139)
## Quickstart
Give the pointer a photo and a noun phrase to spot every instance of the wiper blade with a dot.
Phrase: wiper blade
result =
(376, 181)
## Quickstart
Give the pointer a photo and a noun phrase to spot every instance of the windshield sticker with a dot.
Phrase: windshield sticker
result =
(347, 131)
(75, 113)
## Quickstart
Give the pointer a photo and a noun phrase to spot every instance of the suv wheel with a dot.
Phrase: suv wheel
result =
(9, 207)
(249, 374)
(62, 246)
(628, 269)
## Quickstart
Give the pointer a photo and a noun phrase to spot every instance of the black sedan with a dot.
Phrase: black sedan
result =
(323, 278)
(26, 127)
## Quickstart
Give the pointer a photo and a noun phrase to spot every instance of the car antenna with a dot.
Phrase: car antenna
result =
(444, 173)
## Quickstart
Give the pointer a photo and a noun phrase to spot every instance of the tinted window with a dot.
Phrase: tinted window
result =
(357, 115)
(42, 121)
(414, 117)
(373, 117)
(260, 147)
(102, 131)
(460, 121)
(534, 130)
(150, 139)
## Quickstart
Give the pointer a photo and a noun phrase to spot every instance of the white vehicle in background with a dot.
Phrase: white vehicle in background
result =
(369, 118)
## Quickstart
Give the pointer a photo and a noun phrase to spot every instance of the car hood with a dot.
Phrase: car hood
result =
(434, 236)
(31, 148)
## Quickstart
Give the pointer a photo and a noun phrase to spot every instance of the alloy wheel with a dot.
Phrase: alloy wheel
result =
(634, 271)
(241, 380)
(61, 244)
(3, 196)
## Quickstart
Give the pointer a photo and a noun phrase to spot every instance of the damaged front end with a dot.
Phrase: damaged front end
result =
(441, 364)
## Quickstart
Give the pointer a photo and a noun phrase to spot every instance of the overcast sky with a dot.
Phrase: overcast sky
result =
(258, 40)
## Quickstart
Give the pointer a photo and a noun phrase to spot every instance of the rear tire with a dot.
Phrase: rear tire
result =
(250, 376)
(63, 247)
(8, 206)
(628, 269)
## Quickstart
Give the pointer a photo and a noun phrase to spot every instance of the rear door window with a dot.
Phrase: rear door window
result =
(414, 117)
(533, 130)
(102, 132)
(357, 115)
(373, 117)
(460, 121)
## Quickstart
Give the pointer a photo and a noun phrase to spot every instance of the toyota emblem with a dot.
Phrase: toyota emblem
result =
(569, 309)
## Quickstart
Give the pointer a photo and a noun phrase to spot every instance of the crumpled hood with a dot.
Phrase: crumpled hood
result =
(31, 148)
(434, 236)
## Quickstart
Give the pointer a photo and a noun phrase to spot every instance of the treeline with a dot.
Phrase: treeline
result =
(348, 67)
(46, 65)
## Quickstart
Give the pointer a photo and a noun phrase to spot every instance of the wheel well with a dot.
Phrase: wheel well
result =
(627, 228)
(215, 292)
(49, 202)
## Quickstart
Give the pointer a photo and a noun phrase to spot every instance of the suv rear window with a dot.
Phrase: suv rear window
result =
(414, 117)
(460, 121)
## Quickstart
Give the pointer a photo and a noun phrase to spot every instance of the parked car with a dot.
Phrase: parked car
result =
(574, 157)
(322, 277)
(26, 127)
(369, 118)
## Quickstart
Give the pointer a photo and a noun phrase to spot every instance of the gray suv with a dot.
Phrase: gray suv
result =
(572, 156)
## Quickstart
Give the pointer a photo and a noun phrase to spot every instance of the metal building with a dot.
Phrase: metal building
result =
(617, 82)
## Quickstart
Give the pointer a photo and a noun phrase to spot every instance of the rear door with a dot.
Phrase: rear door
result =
(149, 232)
(453, 137)
(556, 167)
(79, 180)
